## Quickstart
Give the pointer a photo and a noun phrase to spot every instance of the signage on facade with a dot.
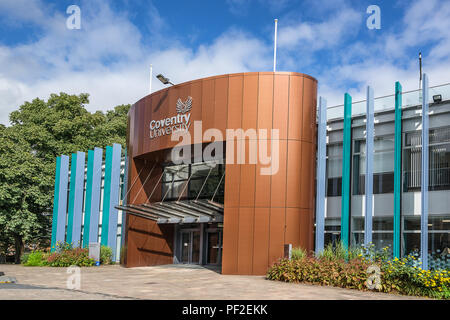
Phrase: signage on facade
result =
(180, 122)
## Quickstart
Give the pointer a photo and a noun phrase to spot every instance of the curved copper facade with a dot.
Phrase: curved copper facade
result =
(262, 213)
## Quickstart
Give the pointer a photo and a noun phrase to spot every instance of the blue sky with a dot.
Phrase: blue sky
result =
(109, 57)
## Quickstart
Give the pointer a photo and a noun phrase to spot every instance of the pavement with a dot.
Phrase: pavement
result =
(168, 282)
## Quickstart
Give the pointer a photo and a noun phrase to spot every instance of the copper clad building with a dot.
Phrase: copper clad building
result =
(214, 212)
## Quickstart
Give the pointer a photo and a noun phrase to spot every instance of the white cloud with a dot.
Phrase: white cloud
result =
(108, 59)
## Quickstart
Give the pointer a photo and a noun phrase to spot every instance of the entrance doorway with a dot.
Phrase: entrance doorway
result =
(214, 245)
(199, 244)
(190, 246)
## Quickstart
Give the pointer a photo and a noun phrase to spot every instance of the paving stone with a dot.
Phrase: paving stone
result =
(167, 282)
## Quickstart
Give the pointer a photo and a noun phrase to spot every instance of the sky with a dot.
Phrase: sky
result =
(110, 55)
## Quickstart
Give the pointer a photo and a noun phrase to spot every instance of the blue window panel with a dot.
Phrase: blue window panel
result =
(76, 198)
(60, 201)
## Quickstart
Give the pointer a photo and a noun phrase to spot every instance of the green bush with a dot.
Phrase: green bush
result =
(328, 272)
(34, 259)
(298, 253)
(74, 257)
(24, 258)
(336, 267)
(106, 254)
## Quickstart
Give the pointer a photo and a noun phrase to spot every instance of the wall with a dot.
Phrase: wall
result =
(262, 212)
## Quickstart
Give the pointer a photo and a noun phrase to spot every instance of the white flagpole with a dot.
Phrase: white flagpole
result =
(275, 48)
(151, 76)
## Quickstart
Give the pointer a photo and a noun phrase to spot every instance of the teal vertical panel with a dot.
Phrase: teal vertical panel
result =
(106, 196)
(397, 169)
(346, 162)
(124, 199)
(88, 201)
(56, 202)
(73, 174)
(60, 201)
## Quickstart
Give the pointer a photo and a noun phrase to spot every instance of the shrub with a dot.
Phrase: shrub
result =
(330, 272)
(336, 267)
(333, 253)
(106, 254)
(24, 258)
(78, 257)
(298, 253)
(34, 259)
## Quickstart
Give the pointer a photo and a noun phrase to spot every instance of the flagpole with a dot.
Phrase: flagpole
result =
(275, 48)
(151, 76)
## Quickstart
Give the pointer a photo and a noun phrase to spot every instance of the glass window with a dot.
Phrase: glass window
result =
(439, 160)
(187, 181)
(383, 166)
(334, 170)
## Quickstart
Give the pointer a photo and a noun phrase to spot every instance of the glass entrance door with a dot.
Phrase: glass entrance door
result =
(190, 247)
(214, 253)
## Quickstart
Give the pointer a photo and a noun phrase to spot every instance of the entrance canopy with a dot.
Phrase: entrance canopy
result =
(184, 211)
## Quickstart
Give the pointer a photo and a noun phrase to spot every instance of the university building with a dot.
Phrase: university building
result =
(199, 198)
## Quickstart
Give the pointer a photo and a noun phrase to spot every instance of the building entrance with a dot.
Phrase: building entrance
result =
(190, 246)
(199, 244)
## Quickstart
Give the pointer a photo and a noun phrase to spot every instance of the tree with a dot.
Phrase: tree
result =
(39, 132)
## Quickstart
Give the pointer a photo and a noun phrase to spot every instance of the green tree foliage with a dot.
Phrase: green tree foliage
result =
(39, 132)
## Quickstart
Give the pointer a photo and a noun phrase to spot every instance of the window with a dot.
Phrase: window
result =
(439, 160)
(203, 180)
(334, 170)
(383, 165)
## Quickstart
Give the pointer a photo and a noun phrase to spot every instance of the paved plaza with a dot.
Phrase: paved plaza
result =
(184, 282)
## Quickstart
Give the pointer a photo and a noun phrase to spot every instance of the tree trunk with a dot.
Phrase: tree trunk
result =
(18, 243)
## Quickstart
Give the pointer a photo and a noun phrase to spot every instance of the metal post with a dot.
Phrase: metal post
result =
(346, 163)
(424, 184)
(321, 166)
(369, 166)
(397, 170)
(275, 47)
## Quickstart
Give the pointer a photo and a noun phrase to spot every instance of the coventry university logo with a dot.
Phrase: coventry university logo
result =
(180, 122)
(183, 107)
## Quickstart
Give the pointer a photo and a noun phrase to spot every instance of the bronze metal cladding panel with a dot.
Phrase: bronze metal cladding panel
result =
(281, 105)
(208, 103)
(261, 241)
(245, 243)
(152, 243)
(306, 228)
(306, 175)
(262, 212)
(308, 123)
(249, 122)
(292, 234)
(279, 182)
(295, 107)
(277, 223)
(230, 240)
(294, 163)
(265, 110)
(221, 96)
